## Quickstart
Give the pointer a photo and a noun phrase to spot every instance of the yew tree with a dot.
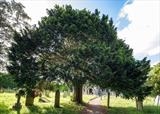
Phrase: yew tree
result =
(88, 47)
(137, 86)
(74, 46)
(23, 63)
(73, 28)
(111, 65)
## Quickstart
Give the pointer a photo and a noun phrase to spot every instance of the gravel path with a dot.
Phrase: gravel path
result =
(94, 107)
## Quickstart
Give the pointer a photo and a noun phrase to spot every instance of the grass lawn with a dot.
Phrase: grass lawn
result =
(8, 99)
(123, 106)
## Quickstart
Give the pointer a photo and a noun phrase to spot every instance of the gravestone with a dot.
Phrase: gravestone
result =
(157, 100)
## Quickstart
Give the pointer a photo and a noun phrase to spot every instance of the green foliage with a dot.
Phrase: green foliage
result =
(83, 39)
(76, 46)
(6, 81)
(137, 77)
(109, 64)
(23, 63)
(54, 85)
(76, 43)
(154, 79)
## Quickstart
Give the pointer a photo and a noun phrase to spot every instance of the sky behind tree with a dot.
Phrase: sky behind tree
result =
(137, 21)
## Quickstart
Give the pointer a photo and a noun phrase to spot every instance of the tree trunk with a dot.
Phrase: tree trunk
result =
(108, 99)
(29, 100)
(139, 105)
(77, 95)
(57, 99)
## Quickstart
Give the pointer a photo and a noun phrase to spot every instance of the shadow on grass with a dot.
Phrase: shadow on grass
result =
(18, 111)
(4, 109)
(35, 109)
(69, 108)
(132, 110)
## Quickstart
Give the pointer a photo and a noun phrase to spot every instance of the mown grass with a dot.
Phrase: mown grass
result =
(67, 107)
(124, 106)
(118, 105)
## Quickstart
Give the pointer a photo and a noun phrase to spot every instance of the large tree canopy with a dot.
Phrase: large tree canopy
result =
(76, 46)
(88, 47)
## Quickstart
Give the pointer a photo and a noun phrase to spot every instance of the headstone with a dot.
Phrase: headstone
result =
(43, 100)
(157, 100)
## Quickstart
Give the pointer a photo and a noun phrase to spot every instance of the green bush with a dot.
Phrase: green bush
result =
(6, 81)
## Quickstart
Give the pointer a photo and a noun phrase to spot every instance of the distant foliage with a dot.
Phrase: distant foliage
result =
(154, 79)
(6, 81)
(12, 17)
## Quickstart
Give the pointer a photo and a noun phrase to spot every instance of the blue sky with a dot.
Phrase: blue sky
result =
(110, 7)
(138, 21)
(37, 8)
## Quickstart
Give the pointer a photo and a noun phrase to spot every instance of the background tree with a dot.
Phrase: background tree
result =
(12, 16)
(154, 79)
(6, 81)
(54, 76)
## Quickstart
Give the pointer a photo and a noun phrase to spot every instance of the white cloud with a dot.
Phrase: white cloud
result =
(154, 51)
(37, 8)
(155, 63)
(143, 31)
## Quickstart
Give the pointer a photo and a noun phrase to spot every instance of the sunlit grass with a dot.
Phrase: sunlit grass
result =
(87, 98)
(118, 105)
(67, 107)
(124, 106)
